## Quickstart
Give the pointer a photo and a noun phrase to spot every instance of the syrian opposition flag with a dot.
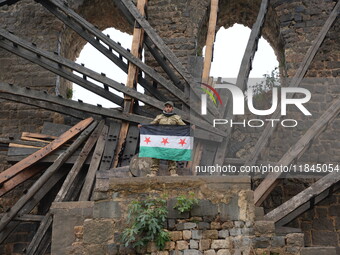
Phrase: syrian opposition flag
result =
(166, 142)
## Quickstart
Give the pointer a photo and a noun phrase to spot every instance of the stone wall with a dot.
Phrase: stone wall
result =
(223, 222)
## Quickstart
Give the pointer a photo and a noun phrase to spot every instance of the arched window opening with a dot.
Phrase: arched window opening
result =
(99, 63)
(229, 47)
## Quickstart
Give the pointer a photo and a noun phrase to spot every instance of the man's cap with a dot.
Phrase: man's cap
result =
(169, 103)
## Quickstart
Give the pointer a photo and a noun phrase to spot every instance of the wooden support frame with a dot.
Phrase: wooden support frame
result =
(77, 109)
(296, 151)
(164, 49)
(269, 130)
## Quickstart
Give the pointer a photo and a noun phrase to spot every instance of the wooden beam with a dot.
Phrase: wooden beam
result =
(47, 174)
(35, 157)
(296, 151)
(303, 197)
(268, 131)
(132, 79)
(94, 166)
(20, 178)
(251, 48)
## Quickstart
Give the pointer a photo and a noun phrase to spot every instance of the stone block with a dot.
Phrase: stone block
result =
(227, 225)
(170, 246)
(193, 244)
(204, 244)
(229, 211)
(210, 252)
(203, 225)
(107, 209)
(205, 208)
(192, 252)
(98, 231)
(278, 241)
(295, 239)
(176, 252)
(151, 247)
(334, 210)
(318, 251)
(223, 252)
(182, 245)
(210, 234)
(239, 224)
(235, 232)
(196, 234)
(215, 225)
(261, 242)
(176, 235)
(96, 249)
(324, 238)
(223, 233)
(186, 225)
(220, 244)
(186, 234)
(322, 223)
(264, 227)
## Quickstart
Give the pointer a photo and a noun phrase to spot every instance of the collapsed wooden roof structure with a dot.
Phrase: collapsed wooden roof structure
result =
(116, 139)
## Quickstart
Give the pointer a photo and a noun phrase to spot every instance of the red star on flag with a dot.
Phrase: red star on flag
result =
(164, 141)
(182, 142)
(147, 140)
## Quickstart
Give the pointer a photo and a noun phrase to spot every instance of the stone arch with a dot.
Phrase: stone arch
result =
(245, 12)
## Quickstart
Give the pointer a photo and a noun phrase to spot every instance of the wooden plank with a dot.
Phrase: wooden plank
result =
(94, 165)
(16, 145)
(38, 135)
(20, 178)
(296, 151)
(303, 197)
(131, 145)
(110, 146)
(35, 157)
(48, 173)
(300, 73)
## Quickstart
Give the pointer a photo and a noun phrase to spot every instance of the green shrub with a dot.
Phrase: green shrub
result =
(146, 219)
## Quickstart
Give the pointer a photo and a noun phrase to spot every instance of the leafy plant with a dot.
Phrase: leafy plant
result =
(69, 93)
(146, 219)
(186, 203)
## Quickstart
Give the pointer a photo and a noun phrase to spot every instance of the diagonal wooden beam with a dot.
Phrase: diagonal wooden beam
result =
(243, 76)
(46, 176)
(246, 63)
(296, 151)
(268, 131)
(303, 197)
(35, 157)
(132, 79)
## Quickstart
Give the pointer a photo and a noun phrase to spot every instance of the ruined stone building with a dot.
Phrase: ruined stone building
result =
(43, 212)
